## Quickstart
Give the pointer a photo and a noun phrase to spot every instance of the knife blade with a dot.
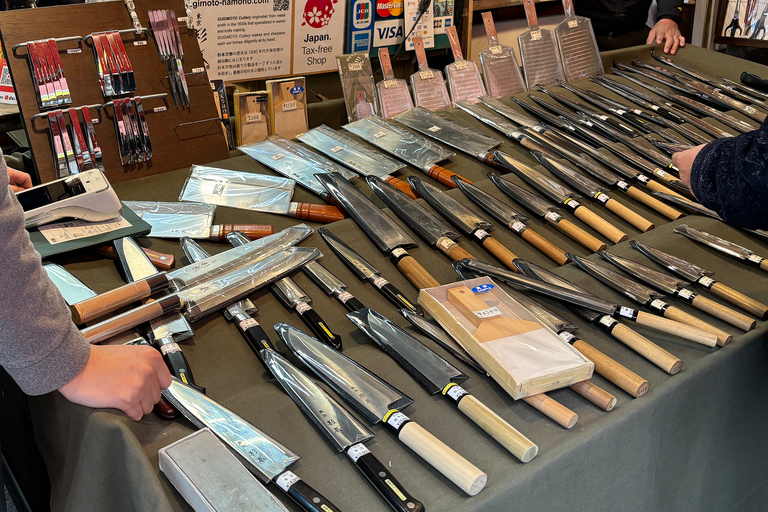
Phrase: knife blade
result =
(587, 111)
(700, 331)
(677, 288)
(341, 429)
(72, 289)
(263, 456)
(723, 246)
(187, 276)
(547, 210)
(331, 285)
(507, 111)
(514, 220)
(437, 375)
(364, 270)
(383, 231)
(378, 401)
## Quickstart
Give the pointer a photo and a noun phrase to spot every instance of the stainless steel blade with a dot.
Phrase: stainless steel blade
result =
(507, 111)
(687, 204)
(533, 202)
(714, 242)
(289, 293)
(632, 289)
(71, 288)
(432, 371)
(356, 263)
(582, 183)
(548, 186)
(490, 118)
(489, 204)
(367, 393)
(323, 278)
(664, 282)
(679, 266)
(136, 265)
(337, 425)
(457, 214)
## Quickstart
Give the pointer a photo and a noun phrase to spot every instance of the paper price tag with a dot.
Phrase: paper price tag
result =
(620, 112)
(495, 49)
(286, 480)
(637, 112)
(480, 234)
(567, 336)
(626, 312)
(253, 118)
(389, 84)
(658, 304)
(198, 70)
(536, 35)
(426, 75)
(95, 120)
(357, 451)
(433, 129)
(277, 157)
(487, 313)
(462, 64)
(574, 203)
(754, 258)
(642, 178)
(661, 173)
(303, 307)
(289, 106)
(73, 230)
(456, 392)
(380, 282)
(355, 66)
(602, 198)
(517, 227)
(573, 23)
(379, 135)
(397, 419)
(706, 281)
(169, 348)
(603, 118)
(686, 294)
(655, 107)
(552, 216)
(445, 243)
(160, 109)
(399, 252)
(74, 50)
(622, 184)
(139, 43)
(607, 321)
(336, 149)
(344, 297)
(247, 324)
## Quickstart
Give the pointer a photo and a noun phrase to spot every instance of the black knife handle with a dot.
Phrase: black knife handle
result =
(352, 303)
(256, 337)
(315, 322)
(396, 297)
(178, 365)
(383, 480)
(303, 494)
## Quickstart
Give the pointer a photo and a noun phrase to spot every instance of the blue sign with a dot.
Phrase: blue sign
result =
(297, 90)
(482, 288)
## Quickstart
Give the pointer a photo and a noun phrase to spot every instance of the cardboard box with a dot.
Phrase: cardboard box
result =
(252, 118)
(288, 106)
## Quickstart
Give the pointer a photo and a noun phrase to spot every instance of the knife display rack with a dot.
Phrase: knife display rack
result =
(197, 143)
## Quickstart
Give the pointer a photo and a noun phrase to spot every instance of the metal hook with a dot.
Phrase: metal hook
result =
(124, 31)
(57, 39)
(45, 114)
(148, 97)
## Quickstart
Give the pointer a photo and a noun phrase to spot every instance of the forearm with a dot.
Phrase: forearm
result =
(669, 10)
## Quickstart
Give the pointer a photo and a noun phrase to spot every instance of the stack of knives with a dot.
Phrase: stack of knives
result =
(74, 145)
(165, 26)
(47, 74)
(132, 131)
(114, 66)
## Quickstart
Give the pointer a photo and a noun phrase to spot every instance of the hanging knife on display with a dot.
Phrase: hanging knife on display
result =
(377, 401)
(723, 246)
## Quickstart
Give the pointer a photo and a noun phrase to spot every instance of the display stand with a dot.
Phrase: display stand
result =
(180, 137)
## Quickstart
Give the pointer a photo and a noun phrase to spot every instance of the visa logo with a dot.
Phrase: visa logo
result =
(388, 32)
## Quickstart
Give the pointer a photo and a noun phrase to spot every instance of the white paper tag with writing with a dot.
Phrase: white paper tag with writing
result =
(286, 480)
(445, 243)
(573, 23)
(336, 149)
(140, 43)
(355, 66)
(247, 324)
(567, 336)
(302, 307)
(253, 118)
(661, 173)
(496, 49)
(626, 312)
(607, 321)
(397, 419)
(198, 70)
(160, 109)
(461, 64)
(426, 74)
(706, 281)
(289, 106)
(433, 129)
(74, 50)
(553, 216)
(657, 304)
(754, 258)
(456, 392)
(399, 252)
(169, 348)
(390, 84)
(356, 451)
(277, 157)
(480, 234)
(487, 313)
(76, 229)
(517, 227)
(602, 198)
(380, 282)
(379, 135)
(685, 294)
(344, 297)
(622, 184)
(536, 35)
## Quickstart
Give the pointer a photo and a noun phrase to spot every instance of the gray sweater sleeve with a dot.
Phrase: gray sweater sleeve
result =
(40, 346)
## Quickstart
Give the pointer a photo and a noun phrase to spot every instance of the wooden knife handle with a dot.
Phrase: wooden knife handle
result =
(553, 409)
(549, 249)
(315, 212)
(653, 203)
(755, 307)
(252, 231)
(443, 176)
(453, 466)
(600, 225)
(648, 349)
(515, 442)
(595, 394)
(491, 160)
(630, 216)
(402, 186)
(416, 274)
(658, 187)
(677, 314)
(680, 329)
(613, 371)
(453, 250)
(95, 307)
(581, 236)
(500, 252)
(161, 260)
(121, 323)
(764, 265)
(724, 313)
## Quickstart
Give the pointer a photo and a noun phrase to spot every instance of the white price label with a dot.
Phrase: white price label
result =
(73, 230)
(686, 294)
(198, 70)
(397, 419)
(461, 64)
(253, 118)
(169, 348)
(390, 84)
(74, 50)
(480, 234)
(517, 227)
(573, 23)
(602, 198)
(182, 19)
(160, 109)
(654, 107)
(139, 43)
(336, 149)
(607, 321)
(567, 336)
(95, 120)
(286, 480)
(661, 173)
(445, 243)
(399, 252)
(289, 106)
(574, 203)
(754, 258)
(487, 313)
(357, 451)
(379, 135)
(537, 128)
(344, 297)
(433, 129)
(247, 324)
(622, 184)
(355, 66)
(706, 281)
(642, 178)
(303, 307)
(552, 216)
(603, 118)
(380, 282)
(658, 304)
(637, 112)
(626, 312)
(495, 49)
(536, 35)
(620, 112)
(277, 157)
(426, 74)
(456, 392)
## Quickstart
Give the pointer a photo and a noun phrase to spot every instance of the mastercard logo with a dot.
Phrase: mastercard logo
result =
(389, 8)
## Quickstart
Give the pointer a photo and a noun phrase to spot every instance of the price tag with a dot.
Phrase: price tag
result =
(518, 227)
(389, 84)
(637, 112)
(620, 112)
(170, 348)
(74, 50)
(754, 258)
(303, 307)
(461, 64)
(456, 392)
(622, 184)
(344, 297)
(655, 107)
(336, 149)
(399, 252)
(686, 294)
(642, 178)
(355, 66)
(496, 49)
(537, 128)
(277, 157)
(357, 451)
(198, 70)
(706, 281)
(607, 321)
(661, 173)
(626, 312)
(603, 118)
(445, 243)
(379, 135)
(139, 43)
(487, 313)
(289, 106)
(536, 35)
(253, 118)
(573, 23)
(286, 480)
(247, 324)
(380, 282)
(658, 304)
(160, 109)
(433, 129)
(182, 20)
(552, 216)
(397, 419)
(95, 120)
(567, 336)
(602, 198)
(426, 74)
(480, 234)
(574, 204)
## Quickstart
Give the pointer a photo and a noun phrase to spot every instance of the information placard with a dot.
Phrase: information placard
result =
(318, 35)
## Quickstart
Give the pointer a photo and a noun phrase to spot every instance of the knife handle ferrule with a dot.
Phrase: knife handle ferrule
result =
(89, 309)
(612, 370)
(303, 494)
(443, 176)
(549, 249)
(382, 480)
(452, 249)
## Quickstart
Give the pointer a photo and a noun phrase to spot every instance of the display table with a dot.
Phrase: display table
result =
(696, 441)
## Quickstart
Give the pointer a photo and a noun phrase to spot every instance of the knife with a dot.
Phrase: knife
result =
(376, 400)
(651, 299)
(168, 330)
(548, 211)
(383, 231)
(241, 312)
(341, 429)
(187, 276)
(514, 220)
(160, 260)
(331, 285)
(563, 195)
(592, 189)
(267, 459)
(640, 344)
(723, 246)
(673, 286)
(405, 145)
(437, 375)
(206, 297)
(364, 270)
(72, 289)
(701, 276)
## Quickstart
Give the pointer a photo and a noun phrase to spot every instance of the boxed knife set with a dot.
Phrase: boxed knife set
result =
(48, 76)
(74, 144)
(523, 356)
(288, 106)
(165, 26)
(252, 117)
(113, 65)
(357, 85)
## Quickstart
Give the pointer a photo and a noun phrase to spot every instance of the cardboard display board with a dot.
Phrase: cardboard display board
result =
(175, 143)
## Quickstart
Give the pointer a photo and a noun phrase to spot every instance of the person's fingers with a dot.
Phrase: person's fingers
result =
(16, 189)
(682, 41)
(675, 159)
(669, 44)
(134, 411)
(651, 36)
(154, 392)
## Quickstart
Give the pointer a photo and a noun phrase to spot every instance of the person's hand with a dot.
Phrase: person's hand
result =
(123, 377)
(18, 180)
(666, 30)
(684, 162)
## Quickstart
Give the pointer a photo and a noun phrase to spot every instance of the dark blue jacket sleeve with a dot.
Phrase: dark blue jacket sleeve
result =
(730, 176)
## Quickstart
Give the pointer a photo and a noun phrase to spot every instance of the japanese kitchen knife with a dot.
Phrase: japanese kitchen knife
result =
(188, 276)
(543, 208)
(507, 111)
(724, 246)
(701, 276)
(578, 47)
(331, 285)
(383, 231)
(538, 50)
(345, 433)
(364, 270)
(267, 459)
(377, 401)
(437, 375)
(673, 286)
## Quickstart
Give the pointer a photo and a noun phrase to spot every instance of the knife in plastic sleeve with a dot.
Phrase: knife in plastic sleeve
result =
(724, 246)
(190, 275)
(331, 285)
(345, 433)
(161, 260)
(267, 459)
(702, 277)
(546, 210)
(364, 270)
(377, 401)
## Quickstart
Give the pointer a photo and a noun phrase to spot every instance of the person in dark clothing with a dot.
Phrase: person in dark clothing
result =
(730, 176)
(621, 23)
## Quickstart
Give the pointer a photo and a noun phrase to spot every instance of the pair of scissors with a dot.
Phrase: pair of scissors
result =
(734, 25)
(750, 21)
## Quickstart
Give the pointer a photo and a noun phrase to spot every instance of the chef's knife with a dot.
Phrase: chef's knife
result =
(548, 211)
(673, 286)
(341, 429)
(437, 375)
(267, 459)
(514, 220)
(331, 285)
(364, 270)
(701, 276)
(383, 231)
(160, 260)
(376, 400)
(188, 276)
(723, 246)
(507, 111)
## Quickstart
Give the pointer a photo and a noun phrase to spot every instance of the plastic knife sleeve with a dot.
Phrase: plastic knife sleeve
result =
(160, 260)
